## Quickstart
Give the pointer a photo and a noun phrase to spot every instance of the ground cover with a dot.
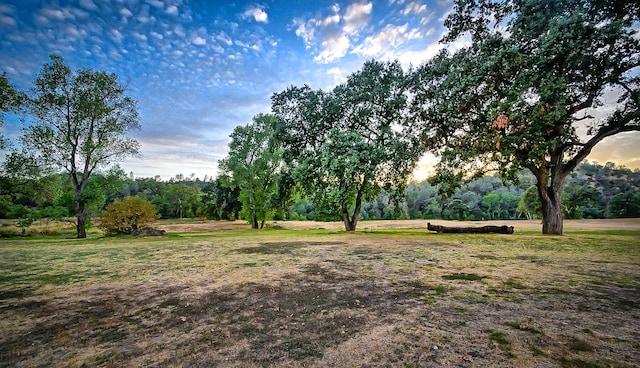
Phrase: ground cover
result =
(388, 295)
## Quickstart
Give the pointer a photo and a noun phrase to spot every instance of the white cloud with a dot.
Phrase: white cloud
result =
(387, 40)
(179, 31)
(331, 36)
(199, 41)
(53, 14)
(416, 57)
(172, 10)
(156, 35)
(415, 7)
(333, 48)
(257, 13)
(156, 3)
(139, 36)
(88, 4)
(224, 38)
(116, 36)
(126, 12)
(338, 74)
(356, 17)
(7, 14)
(7, 20)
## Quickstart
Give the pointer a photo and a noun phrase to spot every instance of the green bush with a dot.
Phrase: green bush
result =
(124, 216)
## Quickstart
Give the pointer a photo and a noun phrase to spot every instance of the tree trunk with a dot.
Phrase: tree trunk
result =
(81, 215)
(81, 226)
(349, 225)
(551, 199)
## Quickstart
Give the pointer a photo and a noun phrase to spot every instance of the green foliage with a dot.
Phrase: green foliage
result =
(124, 216)
(624, 205)
(253, 165)
(183, 200)
(18, 211)
(576, 197)
(530, 203)
(512, 98)
(80, 122)
(220, 201)
(346, 145)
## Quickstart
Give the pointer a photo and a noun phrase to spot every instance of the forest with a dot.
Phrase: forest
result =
(592, 191)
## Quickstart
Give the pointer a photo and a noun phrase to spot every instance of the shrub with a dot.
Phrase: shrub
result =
(124, 216)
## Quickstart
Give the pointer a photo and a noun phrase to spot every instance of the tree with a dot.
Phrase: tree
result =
(220, 200)
(624, 205)
(183, 199)
(576, 197)
(81, 121)
(253, 165)
(346, 145)
(124, 216)
(492, 204)
(535, 71)
(530, 203)
(10, 101)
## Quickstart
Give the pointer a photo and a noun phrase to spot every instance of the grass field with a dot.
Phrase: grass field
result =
(388, 295)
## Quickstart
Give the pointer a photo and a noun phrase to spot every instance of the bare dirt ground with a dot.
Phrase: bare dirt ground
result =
(390, 295)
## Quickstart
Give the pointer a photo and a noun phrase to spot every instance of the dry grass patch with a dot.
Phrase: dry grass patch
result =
(281, 298)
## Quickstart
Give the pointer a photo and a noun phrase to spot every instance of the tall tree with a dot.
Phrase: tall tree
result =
(253, 165)
(348, 144)
(10, 101)
(81, 122)
(533, 74)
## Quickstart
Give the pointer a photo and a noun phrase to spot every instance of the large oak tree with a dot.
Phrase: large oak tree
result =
(80, 124)
(532, 77)
(346, 145)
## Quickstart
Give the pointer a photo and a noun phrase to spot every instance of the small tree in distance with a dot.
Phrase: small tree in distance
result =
(124, 216)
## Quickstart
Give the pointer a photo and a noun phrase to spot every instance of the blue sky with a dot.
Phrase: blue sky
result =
(200, 68)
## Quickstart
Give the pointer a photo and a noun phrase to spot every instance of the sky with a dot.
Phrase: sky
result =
(199, 68)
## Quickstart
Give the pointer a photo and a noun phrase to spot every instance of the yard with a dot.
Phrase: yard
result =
(308, 294)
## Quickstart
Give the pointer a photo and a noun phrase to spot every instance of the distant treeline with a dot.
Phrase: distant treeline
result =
(592, 191)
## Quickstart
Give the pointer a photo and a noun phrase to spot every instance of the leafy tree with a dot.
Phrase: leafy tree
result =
(183, 199)
(253, 165)
(576, 197)
(124, 216)
(348, 144)
(10, 101)
(530, 203)
(533, 72)
(81, 121)
(625, 205)
(458, 210)
(220, 200)
(510, 204)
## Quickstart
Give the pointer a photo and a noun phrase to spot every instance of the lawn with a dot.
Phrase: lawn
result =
(384, 296)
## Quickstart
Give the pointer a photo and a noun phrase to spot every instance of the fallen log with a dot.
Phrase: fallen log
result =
(471, 230)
